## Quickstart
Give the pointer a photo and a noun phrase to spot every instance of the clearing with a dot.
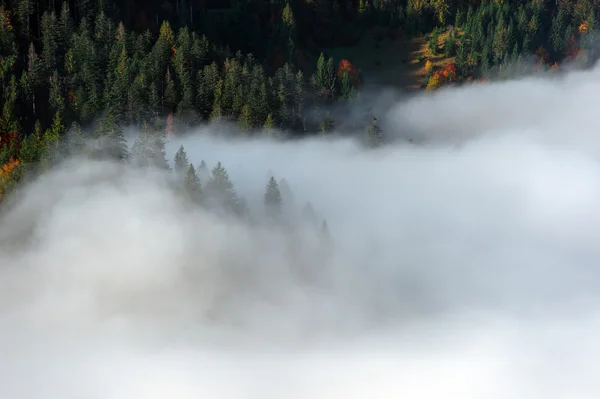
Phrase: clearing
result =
(390, 59)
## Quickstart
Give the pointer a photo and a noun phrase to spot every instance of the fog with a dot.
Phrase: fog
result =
(463, 267)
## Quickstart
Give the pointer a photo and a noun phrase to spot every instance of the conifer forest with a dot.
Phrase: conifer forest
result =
(79, 70)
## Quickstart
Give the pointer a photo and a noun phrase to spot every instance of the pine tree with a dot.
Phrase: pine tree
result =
(347, 90)
(181, 162)
(149, 149)
(221, 190)
(75, 141)
(273, 200)
(245, 119)
(170, 96)
(203, 171)
(324, 78)
(192, 186)
(500, 41)
(111, 140)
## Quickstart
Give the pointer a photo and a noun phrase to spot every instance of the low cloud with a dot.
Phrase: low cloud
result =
(465, 266)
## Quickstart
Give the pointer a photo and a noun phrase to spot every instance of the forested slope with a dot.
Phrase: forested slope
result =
(83, 69)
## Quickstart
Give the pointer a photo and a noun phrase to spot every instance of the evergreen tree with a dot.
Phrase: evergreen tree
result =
(181, 162)
(347, 90)
(273, 200)
(500, 41)
(221, 191)
(192, 186)
(149, 149)
(203, 171)
(245, 120)
(112, 143)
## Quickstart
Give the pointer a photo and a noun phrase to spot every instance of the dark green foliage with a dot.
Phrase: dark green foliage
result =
(149, 148)
(99, 66)
(181, 163)
(192, 186)
(221, 191)
(273, 200)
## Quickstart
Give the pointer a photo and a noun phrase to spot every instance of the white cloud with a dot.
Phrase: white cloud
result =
(463, 267)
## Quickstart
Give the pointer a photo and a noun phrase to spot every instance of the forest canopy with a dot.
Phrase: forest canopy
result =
(79, 70)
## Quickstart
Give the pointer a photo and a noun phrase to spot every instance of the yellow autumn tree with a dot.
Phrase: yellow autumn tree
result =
(435, 81)
(428, 66)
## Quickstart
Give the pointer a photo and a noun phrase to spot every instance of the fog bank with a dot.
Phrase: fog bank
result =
(465, 266)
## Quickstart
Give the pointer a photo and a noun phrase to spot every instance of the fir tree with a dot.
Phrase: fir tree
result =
(181, 162)
(273, 200)
(221, 190)
(203, 171)
(245, 120)
(192, 186)
(111, 140)
(149, 149)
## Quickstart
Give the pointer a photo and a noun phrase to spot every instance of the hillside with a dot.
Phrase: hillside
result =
(72, 71)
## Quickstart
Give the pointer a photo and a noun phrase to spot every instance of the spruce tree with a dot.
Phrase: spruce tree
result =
(192, 186)
(273, 201)
(181, 162)
(149, 148)
(203, 171)
(220, 189)
(245, 119)
(111, 139)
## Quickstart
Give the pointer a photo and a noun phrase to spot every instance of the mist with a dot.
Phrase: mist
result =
(465, 266)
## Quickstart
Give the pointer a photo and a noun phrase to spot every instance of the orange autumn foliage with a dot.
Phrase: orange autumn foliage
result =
(346, 66)
(449, 72)
(583, 28)
(7, 168)
(5, 172)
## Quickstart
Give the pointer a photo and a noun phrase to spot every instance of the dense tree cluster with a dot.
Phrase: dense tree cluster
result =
(494, 35)
(215, 190)
(73, 71)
